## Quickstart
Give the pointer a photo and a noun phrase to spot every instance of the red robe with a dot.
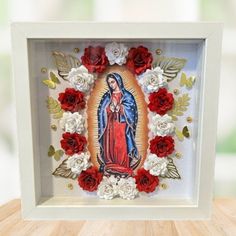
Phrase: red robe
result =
(115, 146)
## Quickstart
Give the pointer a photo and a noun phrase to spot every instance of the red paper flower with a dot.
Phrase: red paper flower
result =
(73, 143)
(95, 59)
(161, 101)
(72, 100)
(162, 146)
(139, 60)
(145, 182)
(90, 179)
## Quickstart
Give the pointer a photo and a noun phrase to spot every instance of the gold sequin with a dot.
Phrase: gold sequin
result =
(189, 119)
(76, 50)
(178, 155)
(176, 91)
(164, 186)
(70, 186)
(158, 51)
(54, 127)
(44, 70)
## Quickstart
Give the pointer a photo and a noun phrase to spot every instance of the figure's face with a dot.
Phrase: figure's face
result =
(112, 83)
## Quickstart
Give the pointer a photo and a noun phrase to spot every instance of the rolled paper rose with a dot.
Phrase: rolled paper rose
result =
(156, 165)
(95, 59)
(73, 143)
(116, 53)
(139, 60)
(161, 101)
(72, 100)
(80, 79)
(72, 122)
(152, 80)
(146, 182)
(90, 179)
(78, 162)
(162, 146)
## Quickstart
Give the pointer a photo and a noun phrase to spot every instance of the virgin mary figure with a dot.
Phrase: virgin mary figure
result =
(117, 122)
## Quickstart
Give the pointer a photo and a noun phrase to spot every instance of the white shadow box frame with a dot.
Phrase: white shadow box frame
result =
(35, 203)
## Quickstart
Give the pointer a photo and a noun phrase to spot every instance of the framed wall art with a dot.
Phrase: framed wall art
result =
(116, 120)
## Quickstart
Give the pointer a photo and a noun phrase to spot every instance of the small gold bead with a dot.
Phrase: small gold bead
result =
(70, 186)
(164, 186)
(178, 155)
(158, 51)
(54, 127)
(189, 119)
(76, 50)
(176, 91)
(44, 70)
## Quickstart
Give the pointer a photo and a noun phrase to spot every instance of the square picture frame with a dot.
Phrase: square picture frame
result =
(43, 195)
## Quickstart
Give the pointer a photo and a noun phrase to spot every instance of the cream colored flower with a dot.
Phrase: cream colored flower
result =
(78, 162)
(152, 80)
(156, 165)
(116, 53)
(72, 122)
(127, 188)
(162, 125)
(80, 79)
(107, 189)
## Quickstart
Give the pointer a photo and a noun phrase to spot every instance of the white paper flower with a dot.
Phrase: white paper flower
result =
(79, 162)
(152, 80)
(116, 53)
(107, 189)
(162, 125)
(127, 188)
(72, 122)
(80, 79)
(156, 165)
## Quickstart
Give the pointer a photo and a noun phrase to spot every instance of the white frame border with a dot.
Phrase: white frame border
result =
(30, 188)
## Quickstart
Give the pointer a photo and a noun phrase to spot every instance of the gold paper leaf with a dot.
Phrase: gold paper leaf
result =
(179, 134)
(51, 151)
(186, 132)
(58, 154)
(54, 78)
(171, 66)
(63, 171)
(172, 170)
(180, 106)
(54, 108)
(65, 63)
(49, 83)
(188, 82)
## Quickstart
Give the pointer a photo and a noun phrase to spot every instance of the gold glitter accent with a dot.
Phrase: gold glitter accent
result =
(176, 91)
(189, 119)
(164, 186)
(158, 51)
(178, 155)
(76, 50)
(54, 127)
(70, 186)
(44, 70)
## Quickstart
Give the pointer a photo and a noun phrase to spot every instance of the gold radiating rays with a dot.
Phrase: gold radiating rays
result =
(100, 88)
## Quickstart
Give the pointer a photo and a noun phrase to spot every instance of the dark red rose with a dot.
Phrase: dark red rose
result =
(72, 100)
(73, 143)
(161, 101)
(95, 59)
(139, 60)
(145, 182)
(162, 146)
(90, 179)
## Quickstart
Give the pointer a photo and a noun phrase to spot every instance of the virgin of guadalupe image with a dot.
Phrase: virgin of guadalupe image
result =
(117, 121)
